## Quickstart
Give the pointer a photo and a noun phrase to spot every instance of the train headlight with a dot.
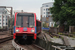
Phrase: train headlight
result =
(17, 30)
(32, 30)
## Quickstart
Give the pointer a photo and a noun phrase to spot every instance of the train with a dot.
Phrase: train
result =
(26, 26)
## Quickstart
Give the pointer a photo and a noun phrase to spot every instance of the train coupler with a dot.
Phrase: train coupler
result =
(25, 37)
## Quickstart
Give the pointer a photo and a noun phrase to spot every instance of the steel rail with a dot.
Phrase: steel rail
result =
(6, 39)
(26, 47)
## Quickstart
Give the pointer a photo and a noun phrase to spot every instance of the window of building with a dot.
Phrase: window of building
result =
(47, 9)
(0, 16)
(6, 12)
(44, 16)
(46, 5)
(6, 16)
(50, 13)
(44, 12)
(0, 19)
(6, 19)
(3, 19)
(3, 23)
(44, 9)
(6, 23)
(3, 16)
(0, 23)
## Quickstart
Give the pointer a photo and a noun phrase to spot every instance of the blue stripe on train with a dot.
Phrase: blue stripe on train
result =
(14, 29)
(35, 30)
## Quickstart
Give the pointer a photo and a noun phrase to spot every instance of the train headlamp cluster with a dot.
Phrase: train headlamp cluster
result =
(17, 30)
(32, 30)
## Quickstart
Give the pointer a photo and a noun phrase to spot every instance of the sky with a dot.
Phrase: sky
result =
(25, 5)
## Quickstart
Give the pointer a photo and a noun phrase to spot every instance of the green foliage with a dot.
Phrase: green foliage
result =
(55, 25)
(73, 36)
(45, 25)
(73, 32)
(54, 37)
(66, 27)
(0, 27)
(62, 38)
(64, 10)
(60, 33)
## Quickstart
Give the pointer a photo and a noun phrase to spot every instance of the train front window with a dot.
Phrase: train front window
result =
(25, 20)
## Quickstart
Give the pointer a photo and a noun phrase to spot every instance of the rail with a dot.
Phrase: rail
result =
(26, 47)
(56, 47)
(6, 39)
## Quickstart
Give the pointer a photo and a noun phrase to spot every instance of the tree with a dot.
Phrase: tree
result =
(64, 11)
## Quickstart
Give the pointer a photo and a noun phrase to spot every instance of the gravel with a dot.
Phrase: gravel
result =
(7, 45)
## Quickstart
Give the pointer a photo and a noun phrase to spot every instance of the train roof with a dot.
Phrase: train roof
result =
(24, 12)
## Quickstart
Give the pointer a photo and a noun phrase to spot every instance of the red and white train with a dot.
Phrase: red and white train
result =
(26, 25)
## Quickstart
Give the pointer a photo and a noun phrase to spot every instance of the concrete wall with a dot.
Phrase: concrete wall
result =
(46, 45)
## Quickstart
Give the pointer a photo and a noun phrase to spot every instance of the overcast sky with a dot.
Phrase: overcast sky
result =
(26, 5)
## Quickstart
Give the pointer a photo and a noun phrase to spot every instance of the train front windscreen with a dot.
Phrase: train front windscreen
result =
(25, 20)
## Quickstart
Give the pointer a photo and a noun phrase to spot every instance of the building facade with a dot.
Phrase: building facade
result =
(3, 17)
(46, 14)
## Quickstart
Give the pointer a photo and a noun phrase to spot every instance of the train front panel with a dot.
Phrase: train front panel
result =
(25, 25)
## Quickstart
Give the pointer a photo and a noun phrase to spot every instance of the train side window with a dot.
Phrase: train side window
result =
(31, 21)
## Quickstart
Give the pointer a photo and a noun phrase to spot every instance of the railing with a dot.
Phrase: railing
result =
(56, 47)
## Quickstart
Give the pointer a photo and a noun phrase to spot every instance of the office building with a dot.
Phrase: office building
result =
(3, 17)
(46, 14)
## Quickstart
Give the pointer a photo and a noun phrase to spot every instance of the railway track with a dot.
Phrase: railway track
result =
(64, 38)
(6, 39)
(26, 47)
(64, 33)
(68, 34)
